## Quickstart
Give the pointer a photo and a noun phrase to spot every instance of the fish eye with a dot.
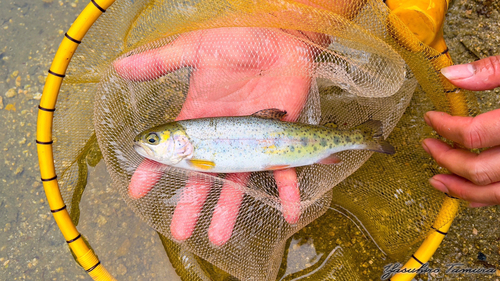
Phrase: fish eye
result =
(152, 138)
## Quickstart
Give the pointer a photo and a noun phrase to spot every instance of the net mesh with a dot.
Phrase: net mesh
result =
(149, 62)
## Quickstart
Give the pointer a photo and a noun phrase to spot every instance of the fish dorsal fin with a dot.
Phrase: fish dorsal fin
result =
(372, 128)
(270, 113)
(331, 125)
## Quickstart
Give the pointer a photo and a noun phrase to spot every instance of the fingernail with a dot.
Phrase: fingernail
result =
(460, 71)
(425, 147)
(427, 119)
(476, 205)
(438, 185)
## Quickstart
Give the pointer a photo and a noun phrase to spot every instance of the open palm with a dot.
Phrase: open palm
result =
(235, 72)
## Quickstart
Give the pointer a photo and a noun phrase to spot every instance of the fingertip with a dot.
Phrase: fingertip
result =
(438, 184)
(145, 177)
(478, 205)
(134, 194)
(219, 238)
(446, 179)
(459, 71)
(433, 146)
(120, 67)
(180, 232)
(431, 116)
(426, 148)
(289, 194)
(137, 67)
(427, 118)
(291, 212)
(479, 75)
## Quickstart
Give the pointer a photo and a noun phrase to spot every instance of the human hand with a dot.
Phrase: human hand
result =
(230, 80)
(476, 177)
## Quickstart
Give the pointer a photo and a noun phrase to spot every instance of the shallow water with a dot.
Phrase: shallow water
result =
(31, 246)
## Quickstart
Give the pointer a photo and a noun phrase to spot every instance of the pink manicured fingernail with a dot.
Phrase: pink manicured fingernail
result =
(460, 71)
(438, 185)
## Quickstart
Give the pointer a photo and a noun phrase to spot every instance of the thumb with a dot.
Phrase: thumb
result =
(154, 63)
(477, 76)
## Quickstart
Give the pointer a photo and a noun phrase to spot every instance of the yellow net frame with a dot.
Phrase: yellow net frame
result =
(84, 255)
(413, 11)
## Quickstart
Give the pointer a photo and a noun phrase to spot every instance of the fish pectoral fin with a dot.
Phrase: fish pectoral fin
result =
(330, 160)
(201, 164)
(270, 113)
(276, 167)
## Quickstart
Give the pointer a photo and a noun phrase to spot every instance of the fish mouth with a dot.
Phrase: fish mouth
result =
(143, 150)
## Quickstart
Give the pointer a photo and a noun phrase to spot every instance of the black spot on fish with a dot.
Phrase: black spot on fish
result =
(292, 148)
(347, 139)
(316, 149)
(336, 140)
(304, 141)
(323, 142)
(358, 138)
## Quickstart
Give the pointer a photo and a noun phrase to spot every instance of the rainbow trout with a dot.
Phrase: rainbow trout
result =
(252, 143)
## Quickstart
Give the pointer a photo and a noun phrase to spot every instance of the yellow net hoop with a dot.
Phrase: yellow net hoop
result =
(84, 255)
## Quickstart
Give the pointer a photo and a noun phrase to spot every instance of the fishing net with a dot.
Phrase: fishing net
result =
(145, 63)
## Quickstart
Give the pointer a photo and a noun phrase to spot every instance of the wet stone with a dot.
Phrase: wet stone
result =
(121, 269)
(18, 170)
(124, 248)
(11, 93)
(101, 220)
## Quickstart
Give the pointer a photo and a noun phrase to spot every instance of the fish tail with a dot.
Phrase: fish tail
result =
(374, 129)
(382, 146)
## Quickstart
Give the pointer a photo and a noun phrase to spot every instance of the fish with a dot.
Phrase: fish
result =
(257, 142)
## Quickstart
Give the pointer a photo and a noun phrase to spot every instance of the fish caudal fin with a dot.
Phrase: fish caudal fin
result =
(375, 129)
(384, 147)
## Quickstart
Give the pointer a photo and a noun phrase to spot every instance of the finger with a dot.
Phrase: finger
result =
(478, 205)
(226, 211)
(481, 169)
(462, 188)
(473, 132)
(188, 208)
(147, 174)
(157, 62)
(477, 76)
(288, 190)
